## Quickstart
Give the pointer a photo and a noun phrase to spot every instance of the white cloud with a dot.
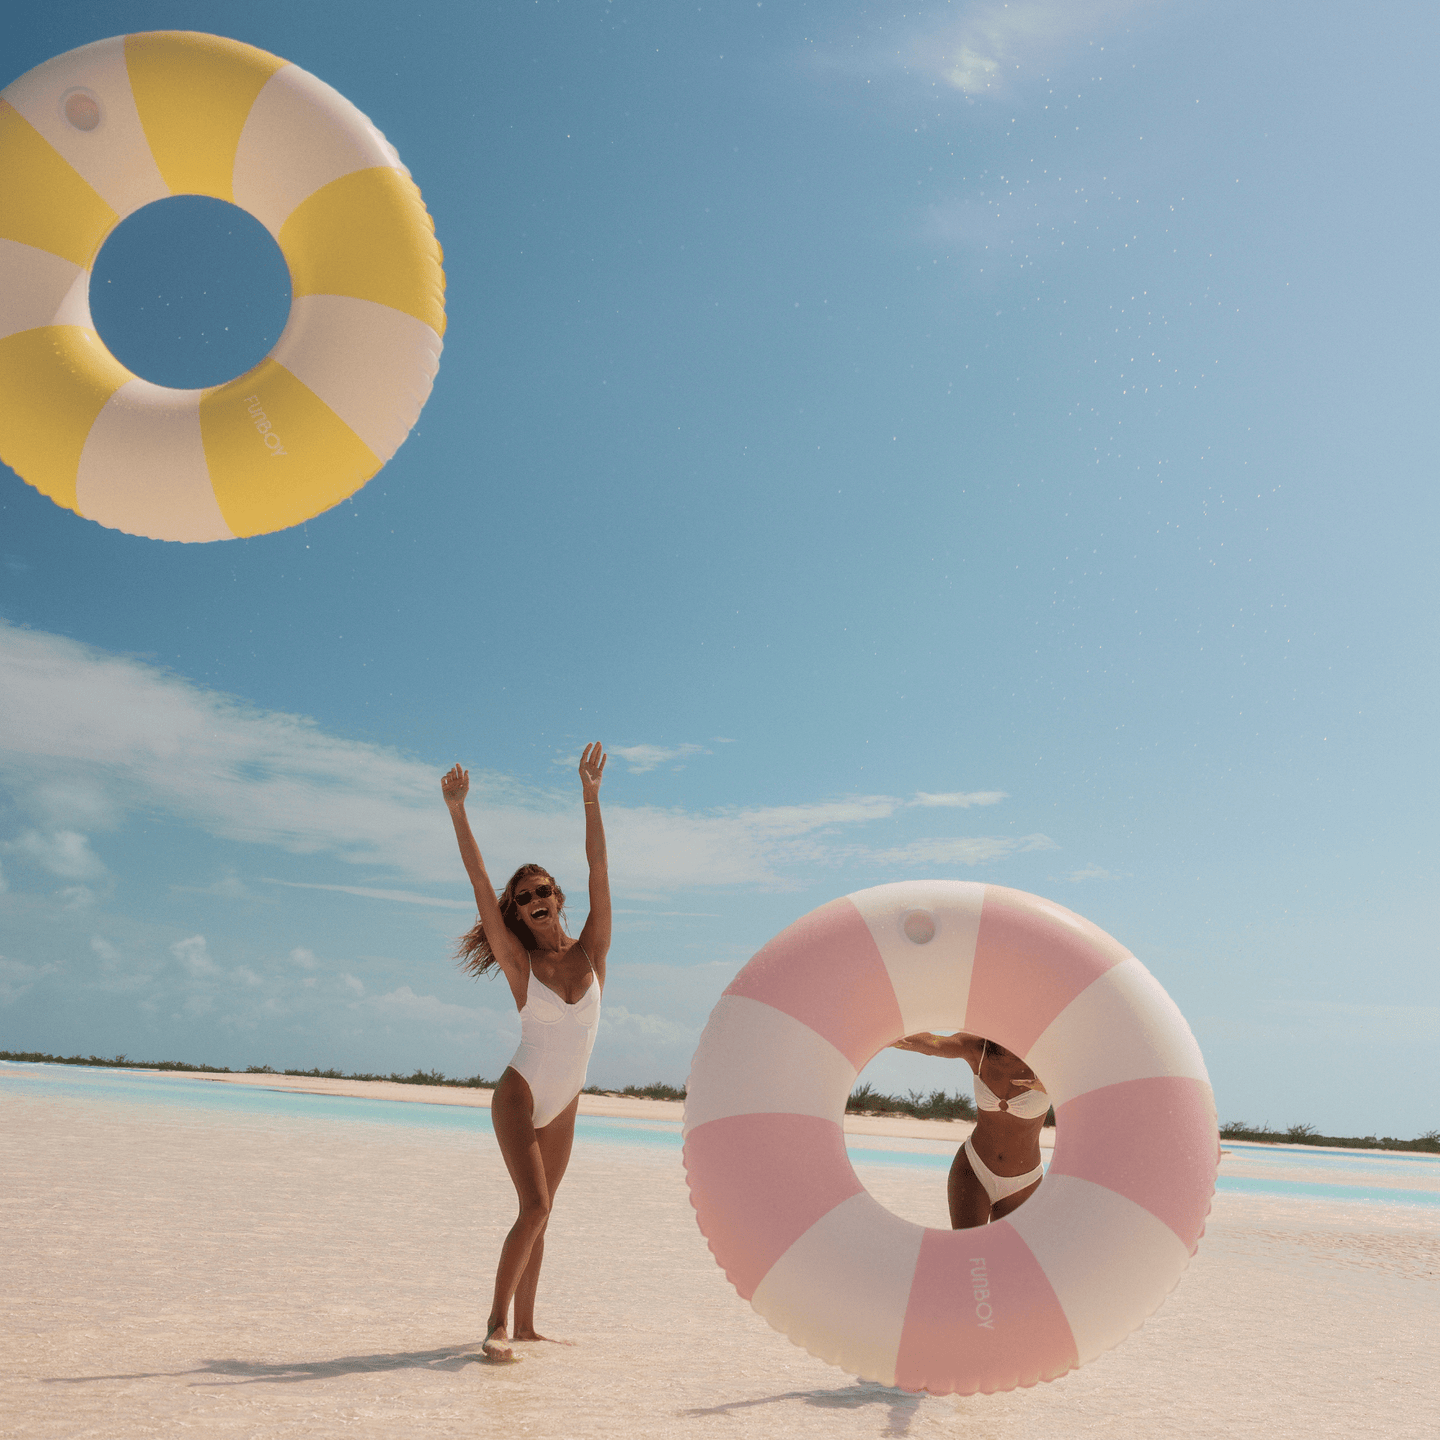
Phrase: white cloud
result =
(969, 850)
(1092, 872)
(620, 1026)
(4, 884)
(370, 893)
(65, 853)
(643, 758)
(194, 957)
(356, 987)
(229, 887)
(134, 737)
(17, 978)
(960, 799)
(983, 49)
(670, 914)
(104, 949)
(403, 1003)
(304, 958)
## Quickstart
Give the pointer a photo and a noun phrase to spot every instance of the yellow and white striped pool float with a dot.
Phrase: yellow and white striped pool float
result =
(91, 136)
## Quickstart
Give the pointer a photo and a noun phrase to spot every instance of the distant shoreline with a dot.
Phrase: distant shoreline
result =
(656, 1102)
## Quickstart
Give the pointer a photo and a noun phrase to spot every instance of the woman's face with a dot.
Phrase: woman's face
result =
(536, 909)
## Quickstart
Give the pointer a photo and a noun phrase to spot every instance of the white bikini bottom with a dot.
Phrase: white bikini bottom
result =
(997, 1187)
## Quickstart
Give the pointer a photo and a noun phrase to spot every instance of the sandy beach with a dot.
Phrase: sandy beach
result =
(173, 1268)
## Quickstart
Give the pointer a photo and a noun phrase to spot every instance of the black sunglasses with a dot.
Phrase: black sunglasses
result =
(541, 892)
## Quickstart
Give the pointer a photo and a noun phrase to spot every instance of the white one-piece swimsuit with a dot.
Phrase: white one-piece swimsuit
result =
(556, 1039)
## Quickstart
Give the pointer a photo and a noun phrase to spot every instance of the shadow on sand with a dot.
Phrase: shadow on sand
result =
(901, 1404)
(254, 1372)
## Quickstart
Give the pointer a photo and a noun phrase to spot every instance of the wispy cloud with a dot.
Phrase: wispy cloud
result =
(644, 758)
(959, 799)
(65, 853)
(370, 893)
(17, 979)
(968, 850)
(675, 914)
(404, 1004)
(193, 955)
(92, 735)
(981, 50)
(1092, 872)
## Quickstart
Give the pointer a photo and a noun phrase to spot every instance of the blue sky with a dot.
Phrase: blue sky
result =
(970, 440)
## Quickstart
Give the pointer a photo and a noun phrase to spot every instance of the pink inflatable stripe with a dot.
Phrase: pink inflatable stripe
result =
(759, 1182)
(982, 1316)
(1031, 960)
(825, 971)
(1152, 1141)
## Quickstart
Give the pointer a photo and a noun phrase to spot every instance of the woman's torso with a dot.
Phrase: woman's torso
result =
(551, 1020)
(1008, 1142)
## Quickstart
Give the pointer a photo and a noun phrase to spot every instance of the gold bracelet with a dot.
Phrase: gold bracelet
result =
(592, 802)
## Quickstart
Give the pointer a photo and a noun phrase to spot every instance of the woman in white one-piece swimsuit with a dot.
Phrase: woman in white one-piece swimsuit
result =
(998, 1168)
(556, 982)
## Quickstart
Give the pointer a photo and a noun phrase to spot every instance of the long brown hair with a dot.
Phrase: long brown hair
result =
(473, 949)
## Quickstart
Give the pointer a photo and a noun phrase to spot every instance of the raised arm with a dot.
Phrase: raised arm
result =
(595, 936)
(958, 1046)
(508, 951)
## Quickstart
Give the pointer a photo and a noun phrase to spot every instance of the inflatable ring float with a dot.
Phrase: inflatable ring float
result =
(88, 138)
(1087, 1259)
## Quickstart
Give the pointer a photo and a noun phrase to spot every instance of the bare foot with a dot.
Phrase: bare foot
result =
(495, 1350)
(536, 1335)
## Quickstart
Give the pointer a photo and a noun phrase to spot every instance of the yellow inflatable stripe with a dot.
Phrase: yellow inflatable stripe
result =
(277, 453)
(44, 201)
(54, 381)
(194, 93)
(369, 236)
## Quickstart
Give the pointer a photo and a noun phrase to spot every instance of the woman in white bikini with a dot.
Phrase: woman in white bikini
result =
(556, 982)
(998, 1167)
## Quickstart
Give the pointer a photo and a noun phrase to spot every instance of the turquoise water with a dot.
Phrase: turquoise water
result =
(1406, 1173)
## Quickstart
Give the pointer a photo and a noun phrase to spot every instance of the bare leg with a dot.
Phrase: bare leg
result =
(555, 1141)
(969, 1204)
(511, 1112)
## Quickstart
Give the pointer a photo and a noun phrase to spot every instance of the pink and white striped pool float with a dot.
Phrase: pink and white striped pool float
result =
(1086, 1260)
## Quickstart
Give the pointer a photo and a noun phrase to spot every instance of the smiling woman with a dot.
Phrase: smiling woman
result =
(556, 983)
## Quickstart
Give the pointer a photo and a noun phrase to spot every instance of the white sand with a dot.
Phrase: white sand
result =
(169, 1270)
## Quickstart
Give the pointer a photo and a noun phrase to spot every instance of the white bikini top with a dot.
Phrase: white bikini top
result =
(542, 1004)
(1029, 1105)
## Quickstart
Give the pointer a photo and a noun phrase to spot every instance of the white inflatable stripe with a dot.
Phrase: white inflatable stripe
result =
(115, 156)
(301, 134)
(1110, 1262)
(1123, 1026)
(755, 1059)
(842, 1288)
(143, 467)
(74, 308)
(371, 364)
(931, 977)
(36, 283)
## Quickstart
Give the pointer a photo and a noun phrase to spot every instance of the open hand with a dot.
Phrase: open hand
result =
(592, 770)
(455, 786)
